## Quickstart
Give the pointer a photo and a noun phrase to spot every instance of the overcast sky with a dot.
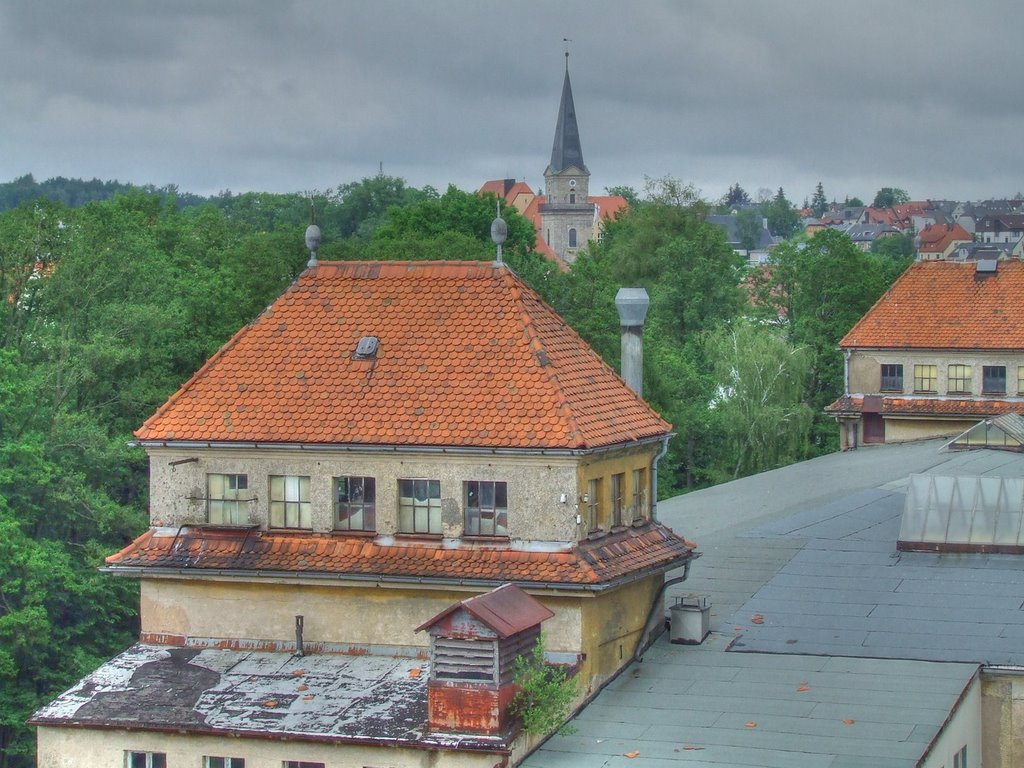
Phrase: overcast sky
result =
(290, 96)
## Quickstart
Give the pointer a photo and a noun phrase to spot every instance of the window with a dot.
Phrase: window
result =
(993, 380)
(1020, 379)
(572, 237)
(355, 503)
(289, 502)
(486, 508)
(224, 502)
(958, 379)
(223, 762)
(572, 197)
(594, 504)
(145, 760)
(926, 378)
(639, 493)
(301, 764)
(618, 481)
(892, 377)
(960, 758)
(419, 506)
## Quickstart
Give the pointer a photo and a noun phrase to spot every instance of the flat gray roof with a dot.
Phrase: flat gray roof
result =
(842, 651)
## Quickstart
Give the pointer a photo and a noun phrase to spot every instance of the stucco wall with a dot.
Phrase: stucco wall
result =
(901, 430)
(1002, 707)
(211, 609)
(605, 465)
(963, 729)
(535, 485)
(866, 372)
(79, 747)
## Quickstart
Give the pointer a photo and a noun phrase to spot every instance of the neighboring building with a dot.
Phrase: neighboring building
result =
(863, 235)
(942, 349)
(567, 217)
(1000, 228)
(987, 251)
(385, 441)
(938, 241)
(765, 240)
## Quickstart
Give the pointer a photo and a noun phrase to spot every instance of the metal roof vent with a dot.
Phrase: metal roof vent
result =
(366, 348)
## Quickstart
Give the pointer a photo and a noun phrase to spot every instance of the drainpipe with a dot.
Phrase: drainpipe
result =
(846, 370)
(657, 613)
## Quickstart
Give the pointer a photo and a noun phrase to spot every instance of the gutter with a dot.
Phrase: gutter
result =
(372, 448)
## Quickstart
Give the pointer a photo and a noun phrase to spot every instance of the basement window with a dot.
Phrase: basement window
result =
(223, 762)
(145, 760)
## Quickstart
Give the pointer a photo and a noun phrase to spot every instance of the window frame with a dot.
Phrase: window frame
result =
(894, 378)
(573, 238)
(229, 504)
(958, 379)
(362, 510)
(150, 759)
(987, 379)
(294, 503)
(494, 514)
(920, 379)
(618, 498)
(420, 509)
(302, 764)
(640, 493)
(594, 490)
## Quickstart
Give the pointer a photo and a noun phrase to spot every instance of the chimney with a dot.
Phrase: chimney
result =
(632, 304)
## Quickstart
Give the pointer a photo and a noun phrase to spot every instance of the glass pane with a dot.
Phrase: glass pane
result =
(303, 489)
(369, 518)
(435, 489)
(305, 515)
(277, 514)
(472, 494)
(487, 495)
(291, 488)
(369, 490)
(435, 518)
(159, 760)
(500, 495)
(277, 488)
(405, 518)
(501, 524)
(216, 486)
(421, 525)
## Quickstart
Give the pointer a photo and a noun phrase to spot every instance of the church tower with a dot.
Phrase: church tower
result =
(567, 218)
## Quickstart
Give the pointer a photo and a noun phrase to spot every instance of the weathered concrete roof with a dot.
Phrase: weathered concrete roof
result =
(808, 592)
(326, 697)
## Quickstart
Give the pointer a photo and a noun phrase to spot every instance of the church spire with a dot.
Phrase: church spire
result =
(566, 150)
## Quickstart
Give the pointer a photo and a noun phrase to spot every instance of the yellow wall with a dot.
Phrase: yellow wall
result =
(356, 615)
(603, 466)
(96, 748)
(964, 728)
(1002, 724)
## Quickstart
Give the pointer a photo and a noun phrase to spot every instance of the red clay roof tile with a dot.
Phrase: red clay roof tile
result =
(618, 555)
(469, 356)
(926, 406)
(946, 305)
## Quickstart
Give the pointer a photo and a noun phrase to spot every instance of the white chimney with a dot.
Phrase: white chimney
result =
(632, 304)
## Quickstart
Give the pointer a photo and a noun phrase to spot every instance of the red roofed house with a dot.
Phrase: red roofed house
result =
(938, 241)
(941, 350)
(568, 216)
(385, 440)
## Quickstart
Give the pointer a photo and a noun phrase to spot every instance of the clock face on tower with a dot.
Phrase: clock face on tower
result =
(572, 182)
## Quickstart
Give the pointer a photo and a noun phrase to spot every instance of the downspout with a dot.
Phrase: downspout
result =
(657, 613)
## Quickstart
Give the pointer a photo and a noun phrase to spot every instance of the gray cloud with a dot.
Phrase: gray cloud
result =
(289, 96)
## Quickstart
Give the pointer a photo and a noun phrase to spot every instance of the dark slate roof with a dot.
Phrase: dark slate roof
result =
(566, 151)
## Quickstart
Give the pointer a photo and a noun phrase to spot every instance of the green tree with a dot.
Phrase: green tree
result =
(736, 197)
(818, 289)
(819, 203)
(887, 197)
(783, 218)
(762, 381)
(749, 226)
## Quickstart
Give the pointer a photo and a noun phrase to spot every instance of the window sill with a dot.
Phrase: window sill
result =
(357, 534)
(480, 538)
(994, 394)
(956, 393)
(926, 392)
(405, 536)
(599, 533)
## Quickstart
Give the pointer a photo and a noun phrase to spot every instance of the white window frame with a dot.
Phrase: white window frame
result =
(290, 506)
(225, 502)
(419, 506)
(150, 759)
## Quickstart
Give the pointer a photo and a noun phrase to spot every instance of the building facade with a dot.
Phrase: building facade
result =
(384, 441)
(940, 351)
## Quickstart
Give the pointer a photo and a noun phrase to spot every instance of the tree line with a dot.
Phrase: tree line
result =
(109, 307)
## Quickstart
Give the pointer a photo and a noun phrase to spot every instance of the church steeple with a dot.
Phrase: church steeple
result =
(566, 150)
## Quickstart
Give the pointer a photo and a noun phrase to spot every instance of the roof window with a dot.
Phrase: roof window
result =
(367, 348)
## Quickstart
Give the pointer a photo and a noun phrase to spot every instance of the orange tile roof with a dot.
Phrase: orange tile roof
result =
(599, 562)
(609, 206)
(935, 238)
(946, 305)
(469, 356)
(925, 406)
